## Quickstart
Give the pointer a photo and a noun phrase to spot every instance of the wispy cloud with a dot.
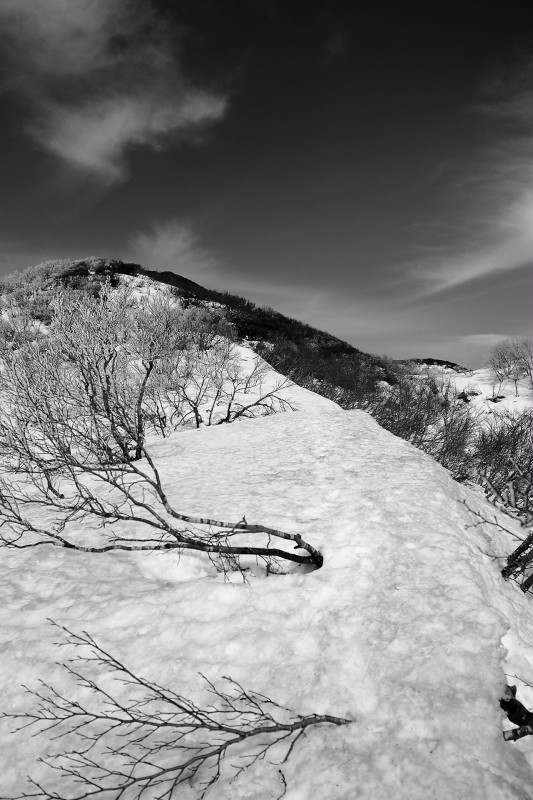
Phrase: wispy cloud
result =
(507, 246)
(95, 137)
(482, 339)
(99, 78)
(337, 47)
(173, 246)
(495, 235)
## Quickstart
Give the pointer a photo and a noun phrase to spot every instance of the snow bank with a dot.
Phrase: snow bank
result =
(400, 630)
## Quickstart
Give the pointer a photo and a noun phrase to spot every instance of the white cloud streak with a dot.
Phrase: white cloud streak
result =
(95, 137)
(485, 340)
(508, 246)
(500, 184)
(173, 246)
(100, 78)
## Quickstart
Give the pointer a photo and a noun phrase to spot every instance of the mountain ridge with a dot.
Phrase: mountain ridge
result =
(251, 321)
(288, 344)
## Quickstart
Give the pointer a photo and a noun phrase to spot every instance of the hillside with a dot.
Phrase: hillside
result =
(308, 355)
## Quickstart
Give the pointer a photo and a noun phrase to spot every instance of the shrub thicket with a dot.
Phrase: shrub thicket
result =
(506, 439)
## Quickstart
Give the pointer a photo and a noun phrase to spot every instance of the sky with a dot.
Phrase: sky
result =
(367, 168)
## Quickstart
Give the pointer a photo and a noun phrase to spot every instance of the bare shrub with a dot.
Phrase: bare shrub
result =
(515, 499)
(511, 359)
(202, 378)
(503, 439)
(73, 439)
(153, 739)
(501, 360)
(525, 349)
(425, 413)
(17, 327)
(504, 452)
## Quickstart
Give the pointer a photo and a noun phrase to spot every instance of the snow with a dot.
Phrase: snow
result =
(401, 630)
(480, 386)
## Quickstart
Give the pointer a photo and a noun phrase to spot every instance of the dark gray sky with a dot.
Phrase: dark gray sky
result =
(367, 168)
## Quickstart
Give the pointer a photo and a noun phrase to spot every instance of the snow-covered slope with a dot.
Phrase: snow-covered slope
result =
(400, 630)
(298, 398)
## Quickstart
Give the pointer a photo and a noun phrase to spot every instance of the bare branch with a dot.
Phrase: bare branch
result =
(156, 738)
(518, 733)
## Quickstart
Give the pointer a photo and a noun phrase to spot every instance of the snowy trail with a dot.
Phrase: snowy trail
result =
(400, 630)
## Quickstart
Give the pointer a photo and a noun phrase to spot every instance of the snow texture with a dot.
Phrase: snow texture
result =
(401, 630)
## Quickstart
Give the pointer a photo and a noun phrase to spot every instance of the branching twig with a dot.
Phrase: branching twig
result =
(156, 739)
